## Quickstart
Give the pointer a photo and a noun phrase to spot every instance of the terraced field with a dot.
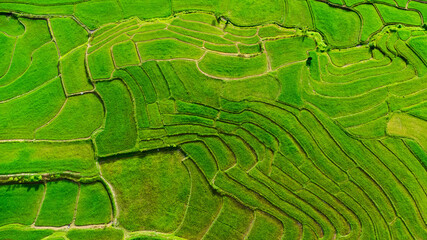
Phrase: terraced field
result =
(221, 119)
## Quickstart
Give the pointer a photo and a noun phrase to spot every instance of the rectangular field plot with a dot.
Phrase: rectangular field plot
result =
(19, 203)
(18, 232)
(151, 190)
(47, 157)
(94, 205)
(59, 204)
(95, 234)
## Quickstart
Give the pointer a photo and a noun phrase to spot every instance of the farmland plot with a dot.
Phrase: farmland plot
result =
(224, 119)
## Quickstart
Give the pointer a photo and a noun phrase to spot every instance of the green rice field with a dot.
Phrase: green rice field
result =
(213, 119)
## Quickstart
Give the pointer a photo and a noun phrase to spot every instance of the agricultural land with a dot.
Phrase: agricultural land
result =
(213, 119)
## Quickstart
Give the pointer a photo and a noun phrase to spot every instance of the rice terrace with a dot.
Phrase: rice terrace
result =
(213, 119)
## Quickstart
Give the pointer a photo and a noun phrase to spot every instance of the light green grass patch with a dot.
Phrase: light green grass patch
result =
(290, 78)
(59, 204)
(36, 157)
(206, 5)
(221, 48)
(95, 234)
(146, 9)
(252, 12)
(98, 12)
(73, 71)
(341, 27)
(80, 117)
(394, 15)
(119, 133)
(100, 63)
(288, 50)
(201, 155)
(19, 232)
(272, 30)
(241, 31)
(232, 221)
(20, 117)
(420, 6)
(36, 34)
(94, 206)
(43, 68)
(163, 34)
(35, 9)
(233, 66)
(198, 27)
(404, 125)
(200, 17)
(249, 49)
(191, 78)
(371, 20)
(19, 203)
(68, 34)
(152, 190)
(265, 225)
(350, 56)
(261, 87)
(203, 206)
(125, 54)
(11, 25)
(6, 52)
(168, 49)
(298, 14)
(419, 46)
